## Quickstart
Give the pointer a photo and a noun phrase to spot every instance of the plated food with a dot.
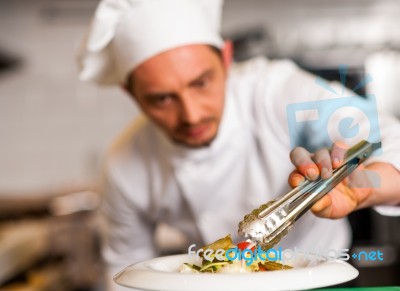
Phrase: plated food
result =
(163, 273)
(222, 256)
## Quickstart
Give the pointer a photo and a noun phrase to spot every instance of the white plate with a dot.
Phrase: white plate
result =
(161, 274)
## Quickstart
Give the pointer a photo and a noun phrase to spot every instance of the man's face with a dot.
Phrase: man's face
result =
(182, 90)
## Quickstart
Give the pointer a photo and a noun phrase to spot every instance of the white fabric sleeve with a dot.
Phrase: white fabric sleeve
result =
(390, 132)
(127, 235)
(388, 210)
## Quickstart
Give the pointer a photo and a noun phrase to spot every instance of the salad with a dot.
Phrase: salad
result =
(222, 256)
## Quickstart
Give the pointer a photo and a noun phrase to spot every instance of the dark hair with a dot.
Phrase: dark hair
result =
(129, 79)
(216, 50)
(129, 83)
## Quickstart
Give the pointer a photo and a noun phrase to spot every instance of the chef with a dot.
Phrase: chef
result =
(213, 140)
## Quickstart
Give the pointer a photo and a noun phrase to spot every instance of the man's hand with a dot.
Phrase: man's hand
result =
(346, 196)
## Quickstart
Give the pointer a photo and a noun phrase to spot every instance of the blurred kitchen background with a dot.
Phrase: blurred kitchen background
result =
(54, 129)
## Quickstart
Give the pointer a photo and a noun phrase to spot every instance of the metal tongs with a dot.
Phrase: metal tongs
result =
(267, 224)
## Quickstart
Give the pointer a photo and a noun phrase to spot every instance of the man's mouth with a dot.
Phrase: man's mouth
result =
(197, 130)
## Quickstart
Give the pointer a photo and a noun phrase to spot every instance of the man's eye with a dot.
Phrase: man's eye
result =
(201, 83)
(161, 100)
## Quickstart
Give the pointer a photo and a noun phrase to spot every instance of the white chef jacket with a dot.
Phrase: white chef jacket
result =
(205, 192)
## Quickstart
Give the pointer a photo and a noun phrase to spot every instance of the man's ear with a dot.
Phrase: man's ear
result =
(126, 86)
(227, 53)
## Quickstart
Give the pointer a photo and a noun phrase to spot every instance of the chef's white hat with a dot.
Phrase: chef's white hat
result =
(125, 33)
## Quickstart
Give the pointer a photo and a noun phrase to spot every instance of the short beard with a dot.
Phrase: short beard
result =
(190, 146)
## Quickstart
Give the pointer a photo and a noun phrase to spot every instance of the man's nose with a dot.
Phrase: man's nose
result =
(190, 110)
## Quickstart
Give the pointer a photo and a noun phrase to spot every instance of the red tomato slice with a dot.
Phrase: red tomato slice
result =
(245, 245)
(261, 268)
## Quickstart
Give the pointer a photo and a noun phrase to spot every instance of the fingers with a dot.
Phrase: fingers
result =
(318, 164)
(338, 153)
(338, 203)
(304, 164)
(295, 179)
(323, 160)
(323, 207)
(346, 196)
(310, 165)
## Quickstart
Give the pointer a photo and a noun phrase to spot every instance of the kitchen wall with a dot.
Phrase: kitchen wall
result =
(297, 26)
(54, 129)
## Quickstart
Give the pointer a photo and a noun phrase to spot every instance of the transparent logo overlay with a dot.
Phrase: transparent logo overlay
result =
(284, 256)
(348, 116)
